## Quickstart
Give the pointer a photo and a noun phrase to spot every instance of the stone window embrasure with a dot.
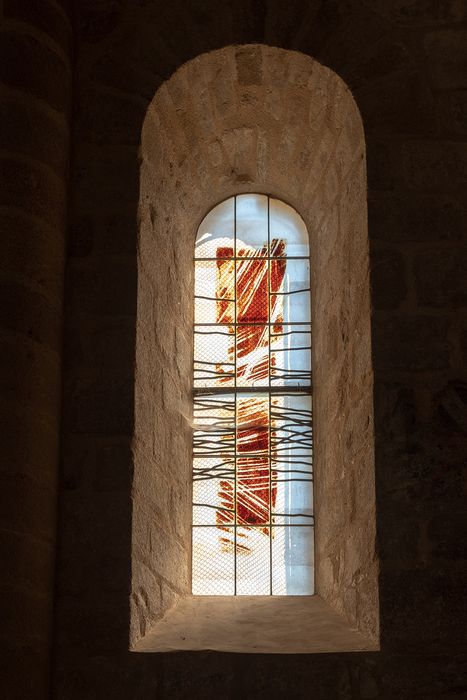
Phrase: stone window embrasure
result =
(254, 119)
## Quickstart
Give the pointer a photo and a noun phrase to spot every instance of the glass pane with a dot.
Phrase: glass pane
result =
(253, 562)
(212, 497)
(252, 469)
(292, 561)
(214, 291)
(287, 230)
(294, 490)
(252, 355)
(252, 291)
(291, 450)
(213, 561)
(216, 230)
(214, 356)
(294, 293)
(252, 225)
(290, 355)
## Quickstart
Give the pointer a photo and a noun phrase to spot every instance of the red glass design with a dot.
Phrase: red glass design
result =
(254, 286)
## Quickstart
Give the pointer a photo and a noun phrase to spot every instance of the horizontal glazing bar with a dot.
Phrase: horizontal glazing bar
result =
(244, 526)
(231, 391)
(254, 257)
(252, 323)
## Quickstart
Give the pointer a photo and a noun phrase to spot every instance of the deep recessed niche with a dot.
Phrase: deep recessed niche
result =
(254, 119)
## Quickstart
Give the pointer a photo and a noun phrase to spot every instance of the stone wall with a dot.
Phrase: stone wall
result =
(35, 88)
(405, 65)
(254, 119)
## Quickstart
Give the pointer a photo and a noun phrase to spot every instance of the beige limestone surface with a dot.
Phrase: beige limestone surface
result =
(259, 119)
(254, 624)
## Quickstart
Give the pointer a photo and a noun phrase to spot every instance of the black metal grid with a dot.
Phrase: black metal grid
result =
(296, 463)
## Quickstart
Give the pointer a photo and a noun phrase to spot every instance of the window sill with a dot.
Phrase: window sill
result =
(254, 624)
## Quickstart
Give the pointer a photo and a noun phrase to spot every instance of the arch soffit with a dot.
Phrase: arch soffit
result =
(254, 118)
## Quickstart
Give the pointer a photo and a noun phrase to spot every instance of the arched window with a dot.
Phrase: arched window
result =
(252, 471)
(300, 137)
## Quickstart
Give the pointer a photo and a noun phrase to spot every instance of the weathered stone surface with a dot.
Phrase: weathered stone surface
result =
(452, 110)
(440, 277)
(22, 669)
(111, 297)
(397, 102)
(116, 72)
(463, 341)
(35, 96)
(25, 128)
(108, 118)
(29, 436)
(447, 58)
(98, 186)
(26, 375)
(27, 507)
(243, 623)
(44, 16)
(383, 172)
(411, 343)
(97, 464)
(33, 190)
(32, 250)
(436, 613)
(29, 558)
(435, 167)
(416, 218)
(387, 278)
(395, 413)
(451, 406)
(32, 67)
(103, 406)
(335, 153)
(420, 12)
(31, 315)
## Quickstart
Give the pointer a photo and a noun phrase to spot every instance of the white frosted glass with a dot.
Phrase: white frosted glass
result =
(293, 561)
(291, 356)
(252, 224)
(287, 225)
(253, 564)
(208, 291)
(296, 289)
(213, 564)
(216, 230)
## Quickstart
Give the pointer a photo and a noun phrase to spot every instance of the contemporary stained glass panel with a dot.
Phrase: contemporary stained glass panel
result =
(252, 445)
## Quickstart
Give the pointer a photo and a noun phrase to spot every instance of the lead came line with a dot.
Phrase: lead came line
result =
(221, 433)
(235, 399)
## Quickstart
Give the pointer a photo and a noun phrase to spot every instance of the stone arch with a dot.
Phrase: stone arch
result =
(241, 119)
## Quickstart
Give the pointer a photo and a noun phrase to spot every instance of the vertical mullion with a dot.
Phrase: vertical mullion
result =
(235, 395)
(269, 403)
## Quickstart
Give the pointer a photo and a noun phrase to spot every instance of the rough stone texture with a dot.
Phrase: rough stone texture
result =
(35, 87)
(302, 141)
(301, 625)
(404, 62)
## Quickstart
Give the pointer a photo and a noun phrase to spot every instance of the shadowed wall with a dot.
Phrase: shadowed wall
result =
(404, 62)
(35, 89)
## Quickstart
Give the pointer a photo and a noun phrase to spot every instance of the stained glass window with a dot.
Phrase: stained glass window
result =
(252, 445)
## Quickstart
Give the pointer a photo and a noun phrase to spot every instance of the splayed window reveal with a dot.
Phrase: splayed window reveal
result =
(252, 512)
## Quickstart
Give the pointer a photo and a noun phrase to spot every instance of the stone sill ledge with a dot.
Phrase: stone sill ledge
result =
(254, 625)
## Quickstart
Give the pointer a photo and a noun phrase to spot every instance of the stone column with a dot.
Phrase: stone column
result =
(35, 85)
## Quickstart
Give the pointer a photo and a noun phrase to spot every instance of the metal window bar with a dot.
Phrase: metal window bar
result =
(297, 433)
